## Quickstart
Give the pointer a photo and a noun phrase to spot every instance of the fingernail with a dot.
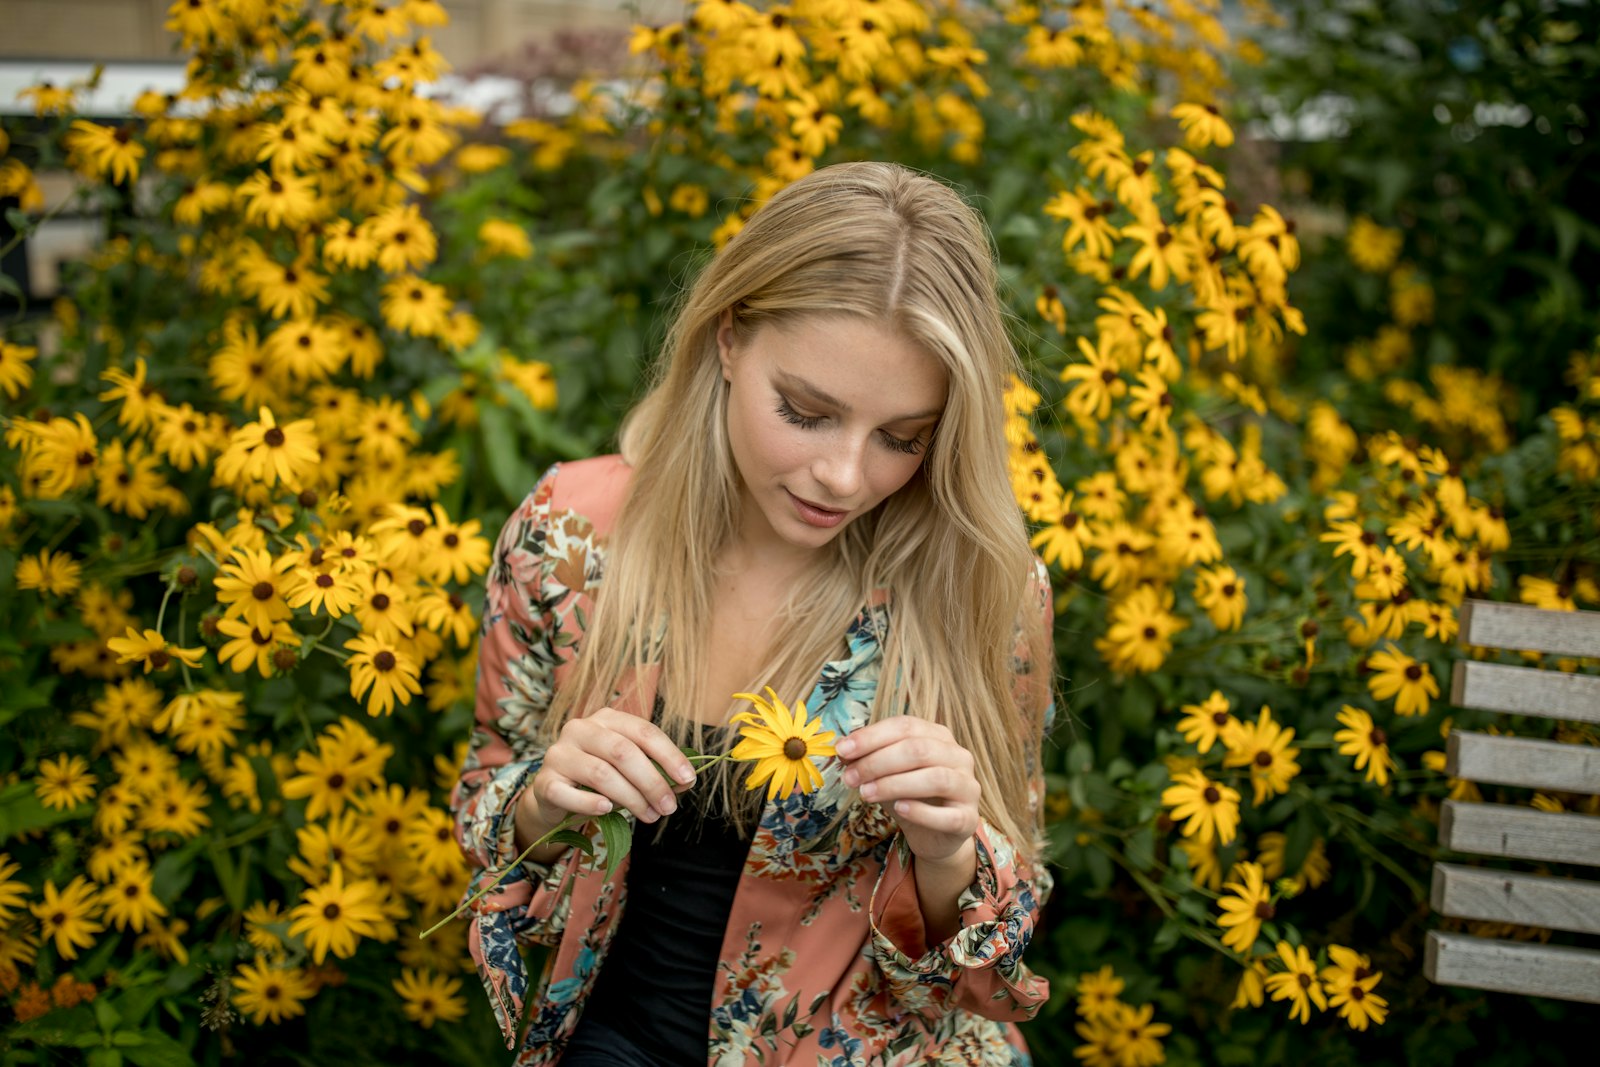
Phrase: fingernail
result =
(851, 777)
(684, 773)
(845, 748)
(666, 805)
(869, 790)
(605, 807)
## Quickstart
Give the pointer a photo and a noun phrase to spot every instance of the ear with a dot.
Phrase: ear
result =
(725, 343)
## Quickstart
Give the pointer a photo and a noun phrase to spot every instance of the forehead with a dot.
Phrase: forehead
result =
(856, 364)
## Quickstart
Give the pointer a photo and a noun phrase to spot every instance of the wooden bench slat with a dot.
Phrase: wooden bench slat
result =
(1523, 761)
(1520, 833)
(1524, 627)
(1525, 691)
(1506, 897)
(1513, 966)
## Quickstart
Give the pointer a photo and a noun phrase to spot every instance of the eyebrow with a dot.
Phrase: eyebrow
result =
(820, 396)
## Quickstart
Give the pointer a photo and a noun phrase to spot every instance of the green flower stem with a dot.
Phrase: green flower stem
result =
(564, 824)
(1159, 896)
(161, 613)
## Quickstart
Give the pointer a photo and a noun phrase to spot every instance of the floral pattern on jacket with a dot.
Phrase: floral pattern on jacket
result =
(825, 960)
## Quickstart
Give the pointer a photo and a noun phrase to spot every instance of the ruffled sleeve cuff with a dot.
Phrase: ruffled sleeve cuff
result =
(980, 967)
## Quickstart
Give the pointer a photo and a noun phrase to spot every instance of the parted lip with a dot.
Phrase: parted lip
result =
(819, 507)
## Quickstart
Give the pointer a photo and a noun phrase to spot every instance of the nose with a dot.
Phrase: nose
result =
(841, 470)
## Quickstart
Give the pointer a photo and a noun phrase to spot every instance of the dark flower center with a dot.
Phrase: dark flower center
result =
(794, 748)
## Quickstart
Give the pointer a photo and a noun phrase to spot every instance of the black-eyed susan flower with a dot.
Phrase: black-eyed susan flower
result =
(333, 917)
(429, 998)
(1097, 991)
(251, 646)
(1204, 724)
(1251, 991)
(1097, 381)
(326, 589)
(1406, 681)
(1349, 981)
(1372, 248)
(453, 551)
(70, 917)
(781, 743)
(129, 482)
(65, 782)
(176, 807)
(270, 994)
(1245, 905)
(1203, 125)
(1139, 637)
(265, 923)
(1365, 741)
(278, 199)
(1297, 982)
(52, 573)
(152, 650)
(445, 612)
(13, 894)
(1209, 810)
(1264, 748)
(1062, 542)
(104, 151)
(502, 237)
(129, 899)
(378, 665)
(251, 586)
(16, 370)
(1221, 595)
(266, 452)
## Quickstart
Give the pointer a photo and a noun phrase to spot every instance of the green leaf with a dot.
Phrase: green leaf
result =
(575, 839)
(22, 811)
(104, 1057)
(1141, 849)
(158, 1050)
(504, 452)
(1298, 839)
(106, 1014)
(618, 835)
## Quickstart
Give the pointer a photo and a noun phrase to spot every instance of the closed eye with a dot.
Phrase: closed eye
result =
(810, 422)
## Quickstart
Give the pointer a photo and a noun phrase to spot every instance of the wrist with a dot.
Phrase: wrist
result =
(531, 824)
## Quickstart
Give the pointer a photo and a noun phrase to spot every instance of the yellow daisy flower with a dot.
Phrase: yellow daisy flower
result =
(781, 744)
(64, 782)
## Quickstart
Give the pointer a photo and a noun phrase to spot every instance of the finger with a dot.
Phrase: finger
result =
(620, 749)
(942, 785)
(954, 820)
(905, 755)
(654, 742)
(601, 773)
(886, 732)
(565, 796)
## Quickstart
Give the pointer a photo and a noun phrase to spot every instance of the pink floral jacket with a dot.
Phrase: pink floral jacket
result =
(824, 961)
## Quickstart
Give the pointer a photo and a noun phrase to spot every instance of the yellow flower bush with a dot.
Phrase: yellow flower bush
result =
(255, 454)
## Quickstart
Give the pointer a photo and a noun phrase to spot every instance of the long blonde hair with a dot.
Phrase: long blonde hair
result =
(893, 247)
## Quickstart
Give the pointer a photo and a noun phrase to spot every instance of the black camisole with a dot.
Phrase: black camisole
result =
(656, 984)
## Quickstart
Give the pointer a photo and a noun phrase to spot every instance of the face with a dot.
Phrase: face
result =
(827, 417)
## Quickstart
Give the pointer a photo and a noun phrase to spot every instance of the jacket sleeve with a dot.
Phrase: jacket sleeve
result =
(980, 968)
(517, 657)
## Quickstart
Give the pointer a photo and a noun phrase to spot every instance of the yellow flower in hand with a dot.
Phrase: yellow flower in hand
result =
(781, 744)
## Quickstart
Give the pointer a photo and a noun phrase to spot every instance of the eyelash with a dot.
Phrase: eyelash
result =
(811, 422)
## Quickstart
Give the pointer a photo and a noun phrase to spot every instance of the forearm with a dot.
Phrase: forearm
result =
(939, 888)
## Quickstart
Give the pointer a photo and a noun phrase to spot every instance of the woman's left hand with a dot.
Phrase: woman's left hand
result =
(917, 768)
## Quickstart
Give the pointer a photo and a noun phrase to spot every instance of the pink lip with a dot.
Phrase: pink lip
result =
(813, 515)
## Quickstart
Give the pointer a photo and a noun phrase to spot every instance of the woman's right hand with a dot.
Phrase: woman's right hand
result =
(599, 763)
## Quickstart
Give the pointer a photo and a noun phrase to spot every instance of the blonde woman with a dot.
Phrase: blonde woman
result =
(813, 496)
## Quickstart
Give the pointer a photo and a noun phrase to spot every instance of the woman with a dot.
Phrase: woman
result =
(812, 496)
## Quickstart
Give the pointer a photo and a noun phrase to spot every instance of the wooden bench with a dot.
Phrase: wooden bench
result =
(1515, 832)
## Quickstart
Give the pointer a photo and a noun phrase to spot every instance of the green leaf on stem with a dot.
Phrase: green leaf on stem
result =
(618, 836)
